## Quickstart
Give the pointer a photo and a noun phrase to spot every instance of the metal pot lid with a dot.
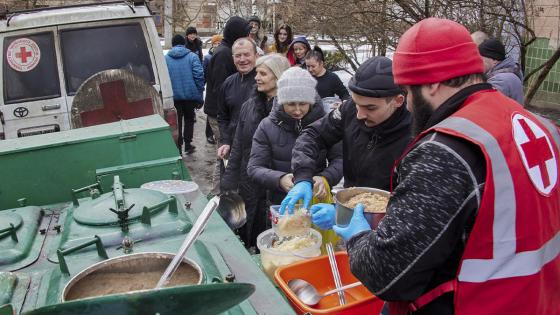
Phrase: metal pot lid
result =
(171, 186)
(97, 211)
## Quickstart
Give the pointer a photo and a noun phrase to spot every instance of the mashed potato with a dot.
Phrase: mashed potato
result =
(293, 225)
(280, 253)
(372, 202)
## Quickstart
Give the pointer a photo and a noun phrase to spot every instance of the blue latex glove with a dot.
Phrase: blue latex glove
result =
(301, 190)
(323, 215)
(357, 224)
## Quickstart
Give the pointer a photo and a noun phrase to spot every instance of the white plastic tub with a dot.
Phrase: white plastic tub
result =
(272, 258)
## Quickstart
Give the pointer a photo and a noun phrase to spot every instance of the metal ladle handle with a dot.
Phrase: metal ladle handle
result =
(198, 227)
(336, 274)
(343, 288)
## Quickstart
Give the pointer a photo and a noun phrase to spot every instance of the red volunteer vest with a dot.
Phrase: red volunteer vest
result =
(511, 263)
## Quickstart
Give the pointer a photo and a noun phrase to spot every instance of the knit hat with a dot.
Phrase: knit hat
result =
(374, 78)
(216, 39)
(296, 85)
(254, 18)
(435, 50)
(177, 40)
(492, 48)
(277, 63)
(191, 30)
(235, 28)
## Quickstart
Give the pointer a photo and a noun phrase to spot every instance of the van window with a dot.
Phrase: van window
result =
(86, 51)
(30, 71)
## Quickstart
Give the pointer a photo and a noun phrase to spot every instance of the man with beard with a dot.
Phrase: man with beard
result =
(374, 127)
(472, 225)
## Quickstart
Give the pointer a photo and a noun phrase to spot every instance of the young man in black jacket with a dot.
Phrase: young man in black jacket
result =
(192, 42)
(374, 128)
(219, 68)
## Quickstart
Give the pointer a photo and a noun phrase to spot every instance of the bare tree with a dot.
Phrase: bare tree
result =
(355, 26)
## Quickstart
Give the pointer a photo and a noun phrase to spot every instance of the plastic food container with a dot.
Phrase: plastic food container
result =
(281, 227)
(317, 272)
(344, 214)
(272, 258)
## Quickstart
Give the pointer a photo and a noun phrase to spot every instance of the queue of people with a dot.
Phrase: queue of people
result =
(473, 221)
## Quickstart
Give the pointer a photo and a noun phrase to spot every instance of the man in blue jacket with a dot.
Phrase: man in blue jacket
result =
(187, 81)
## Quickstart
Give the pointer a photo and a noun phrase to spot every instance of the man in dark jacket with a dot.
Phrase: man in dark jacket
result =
(502, 72)
(187, 81)
(471, 226)
(193, 43)
(214, 42)
(219, 68)
(374, 128)
(235, 91)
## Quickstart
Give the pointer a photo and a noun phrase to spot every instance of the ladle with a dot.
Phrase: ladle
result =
(197, 228)
(232, 208)
(307, 293)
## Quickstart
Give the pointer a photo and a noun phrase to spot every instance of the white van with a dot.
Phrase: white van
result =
(49, 52)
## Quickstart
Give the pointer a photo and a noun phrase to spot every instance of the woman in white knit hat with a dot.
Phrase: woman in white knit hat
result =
(298, 105)
(269, 68)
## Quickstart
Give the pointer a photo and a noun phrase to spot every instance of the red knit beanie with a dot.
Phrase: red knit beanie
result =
(435, 50)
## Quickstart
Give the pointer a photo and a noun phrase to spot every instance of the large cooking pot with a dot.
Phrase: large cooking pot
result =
(135, 272)
(344, 214)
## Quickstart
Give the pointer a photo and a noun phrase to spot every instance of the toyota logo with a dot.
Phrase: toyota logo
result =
(21, 112)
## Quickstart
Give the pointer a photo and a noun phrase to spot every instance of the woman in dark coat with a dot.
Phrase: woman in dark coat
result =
(256, 108)
(271, 152)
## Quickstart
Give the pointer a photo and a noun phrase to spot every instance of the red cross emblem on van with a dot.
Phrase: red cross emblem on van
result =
(116, 106)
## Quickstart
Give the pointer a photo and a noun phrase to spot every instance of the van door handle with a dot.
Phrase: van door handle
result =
(50, 107)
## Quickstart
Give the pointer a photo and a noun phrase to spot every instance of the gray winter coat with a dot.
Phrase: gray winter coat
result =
(271, 152)
(507, 78)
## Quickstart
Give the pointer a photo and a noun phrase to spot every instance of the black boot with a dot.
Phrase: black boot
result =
(189, 148)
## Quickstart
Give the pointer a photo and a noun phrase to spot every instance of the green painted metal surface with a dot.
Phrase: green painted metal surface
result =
(8, 283)
(24, 250)
(45, 168)
(192, 300)
(34, 279)
(6, 309)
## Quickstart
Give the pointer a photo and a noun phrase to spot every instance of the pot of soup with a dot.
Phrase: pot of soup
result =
(129, 273)
(374, 200)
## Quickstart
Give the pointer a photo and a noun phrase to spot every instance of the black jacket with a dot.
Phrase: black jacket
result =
(329, 84)
(235, 90)
(271, 153)
(221, 65)
(419, 243)
(252, 112)
(195, 47)
(369, 153)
